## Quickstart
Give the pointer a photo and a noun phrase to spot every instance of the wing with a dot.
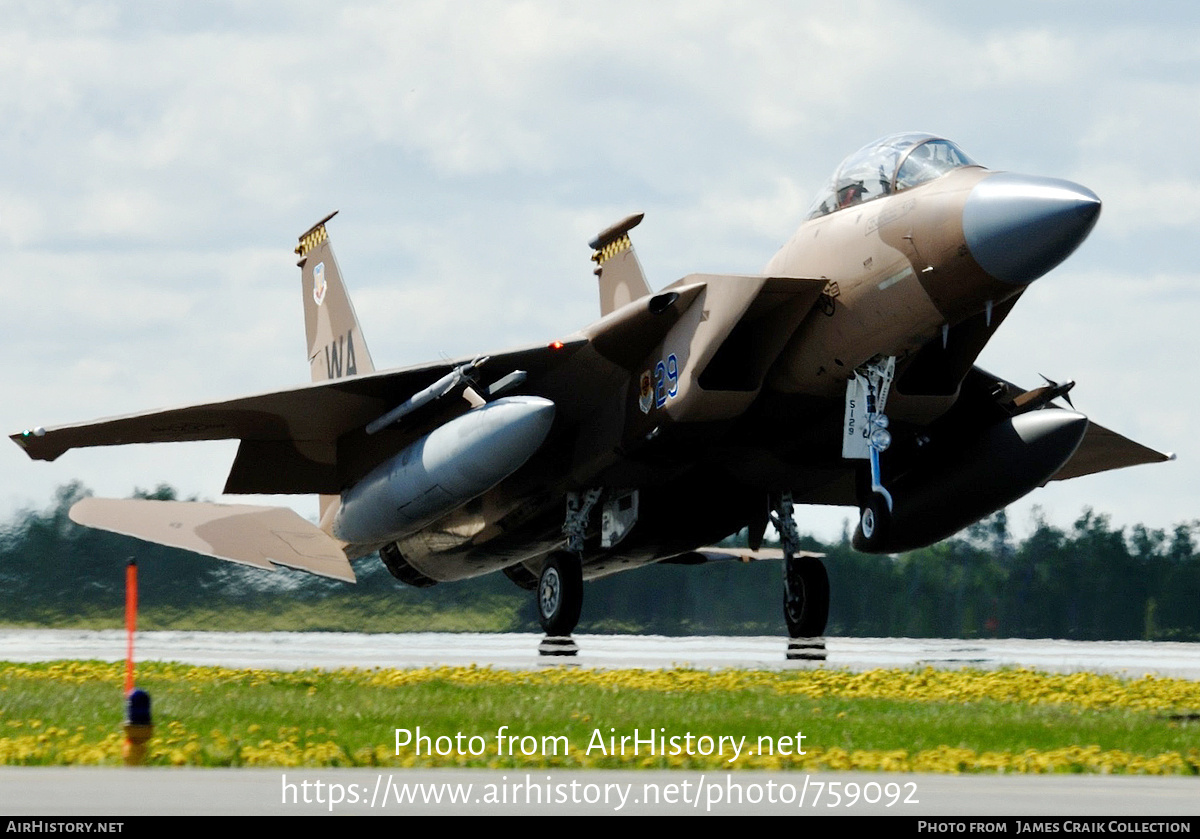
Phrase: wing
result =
(289, 437)
(314, 438)
(985, 399)
(1100, 450)
(260, 536)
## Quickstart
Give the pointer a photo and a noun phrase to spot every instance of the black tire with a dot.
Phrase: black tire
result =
(805, 597)
(560, 593)
(874, 523)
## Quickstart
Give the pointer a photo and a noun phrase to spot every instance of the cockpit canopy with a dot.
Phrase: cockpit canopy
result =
(892, 164)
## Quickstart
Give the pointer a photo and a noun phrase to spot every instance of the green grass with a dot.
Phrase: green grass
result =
(70, 712)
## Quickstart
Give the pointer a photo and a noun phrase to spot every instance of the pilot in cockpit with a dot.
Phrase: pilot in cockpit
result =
(850, 195)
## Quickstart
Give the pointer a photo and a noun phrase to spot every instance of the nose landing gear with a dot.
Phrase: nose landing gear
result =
(867, 436)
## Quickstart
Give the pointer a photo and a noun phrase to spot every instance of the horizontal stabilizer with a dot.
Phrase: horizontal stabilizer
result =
(264, 537)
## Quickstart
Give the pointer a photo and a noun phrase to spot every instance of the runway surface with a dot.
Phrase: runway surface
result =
(328, 650)
(299, 791)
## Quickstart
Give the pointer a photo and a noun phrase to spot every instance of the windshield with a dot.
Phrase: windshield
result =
(889, 165)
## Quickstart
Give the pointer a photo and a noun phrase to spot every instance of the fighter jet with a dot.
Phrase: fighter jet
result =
(680, 417)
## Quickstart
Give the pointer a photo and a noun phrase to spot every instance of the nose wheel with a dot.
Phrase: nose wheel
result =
(560, 593)
(873, 523)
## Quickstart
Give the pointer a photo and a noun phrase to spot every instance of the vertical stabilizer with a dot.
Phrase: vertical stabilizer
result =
(336, 346)
(620, 273)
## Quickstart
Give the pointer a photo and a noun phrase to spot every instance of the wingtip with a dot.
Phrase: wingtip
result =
(32, 442)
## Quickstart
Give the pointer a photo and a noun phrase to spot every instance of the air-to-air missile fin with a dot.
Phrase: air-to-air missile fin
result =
(617, 266)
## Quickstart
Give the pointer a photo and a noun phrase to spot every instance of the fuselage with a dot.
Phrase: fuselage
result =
(912, 241)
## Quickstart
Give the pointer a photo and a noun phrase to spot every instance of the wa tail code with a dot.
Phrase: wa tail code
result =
(339, 351)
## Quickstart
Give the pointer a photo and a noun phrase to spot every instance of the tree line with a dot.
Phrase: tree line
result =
(1093, 581)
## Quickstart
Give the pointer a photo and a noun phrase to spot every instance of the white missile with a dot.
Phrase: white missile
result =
(446, 468)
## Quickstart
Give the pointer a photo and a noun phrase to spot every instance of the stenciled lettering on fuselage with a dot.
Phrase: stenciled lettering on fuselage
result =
(660, 386)
(339, 352)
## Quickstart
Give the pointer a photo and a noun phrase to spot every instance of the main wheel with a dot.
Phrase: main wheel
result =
(805, 597)
(560, 593)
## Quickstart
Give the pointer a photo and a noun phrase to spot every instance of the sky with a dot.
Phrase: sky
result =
(160, 159)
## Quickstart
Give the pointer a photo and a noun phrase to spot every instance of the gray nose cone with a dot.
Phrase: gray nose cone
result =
(1018, 227)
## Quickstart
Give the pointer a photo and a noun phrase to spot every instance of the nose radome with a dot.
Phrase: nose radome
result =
(1018, 227)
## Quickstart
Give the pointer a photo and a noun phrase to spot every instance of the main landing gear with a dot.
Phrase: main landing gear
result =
(560, 593)
(560, 585)
(805, 588)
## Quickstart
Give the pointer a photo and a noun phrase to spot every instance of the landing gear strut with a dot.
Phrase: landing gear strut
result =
(873, 380)
(560, 585)
(805, 581)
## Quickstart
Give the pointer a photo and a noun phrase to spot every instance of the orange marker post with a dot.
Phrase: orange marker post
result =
(138, 725)
(130, 620)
